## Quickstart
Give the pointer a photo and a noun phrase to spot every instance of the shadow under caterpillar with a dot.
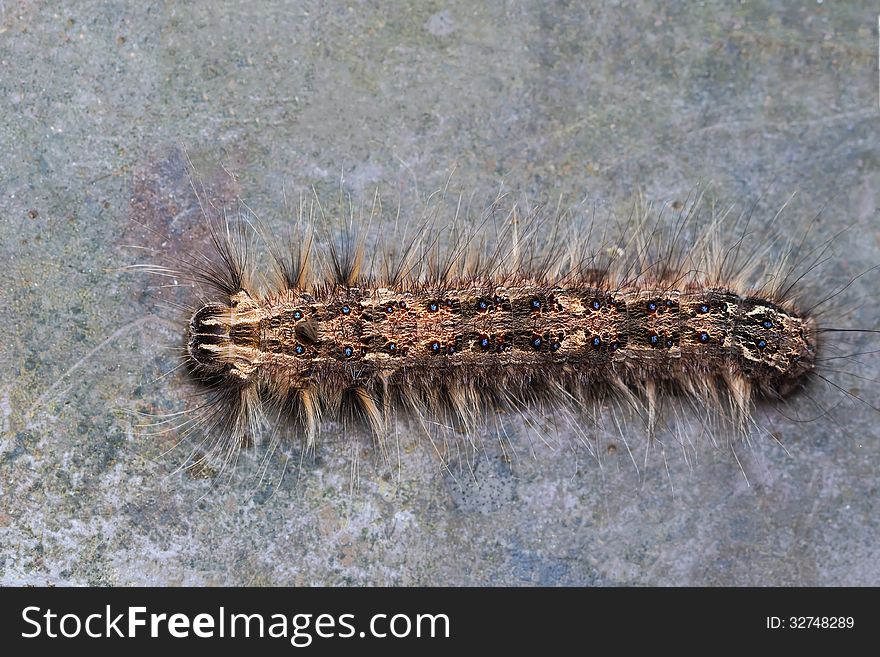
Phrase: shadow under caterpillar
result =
(535, 315)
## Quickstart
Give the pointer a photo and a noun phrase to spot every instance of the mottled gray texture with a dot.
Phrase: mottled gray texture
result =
(99, 99)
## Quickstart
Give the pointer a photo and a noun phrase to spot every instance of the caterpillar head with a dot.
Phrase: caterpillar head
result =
(223, 339)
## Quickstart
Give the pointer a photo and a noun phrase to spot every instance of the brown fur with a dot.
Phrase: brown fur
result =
(549, 319)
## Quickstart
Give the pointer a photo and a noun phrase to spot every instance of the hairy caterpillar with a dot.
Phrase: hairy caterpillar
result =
(548, 318)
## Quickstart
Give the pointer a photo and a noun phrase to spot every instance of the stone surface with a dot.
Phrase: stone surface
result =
(100, 106)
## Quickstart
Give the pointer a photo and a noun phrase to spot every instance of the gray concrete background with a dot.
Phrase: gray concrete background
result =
(99, 99)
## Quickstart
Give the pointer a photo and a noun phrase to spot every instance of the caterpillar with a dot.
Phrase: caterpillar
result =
(545, 317)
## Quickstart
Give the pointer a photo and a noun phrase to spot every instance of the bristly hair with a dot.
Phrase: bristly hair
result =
(448, 319)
